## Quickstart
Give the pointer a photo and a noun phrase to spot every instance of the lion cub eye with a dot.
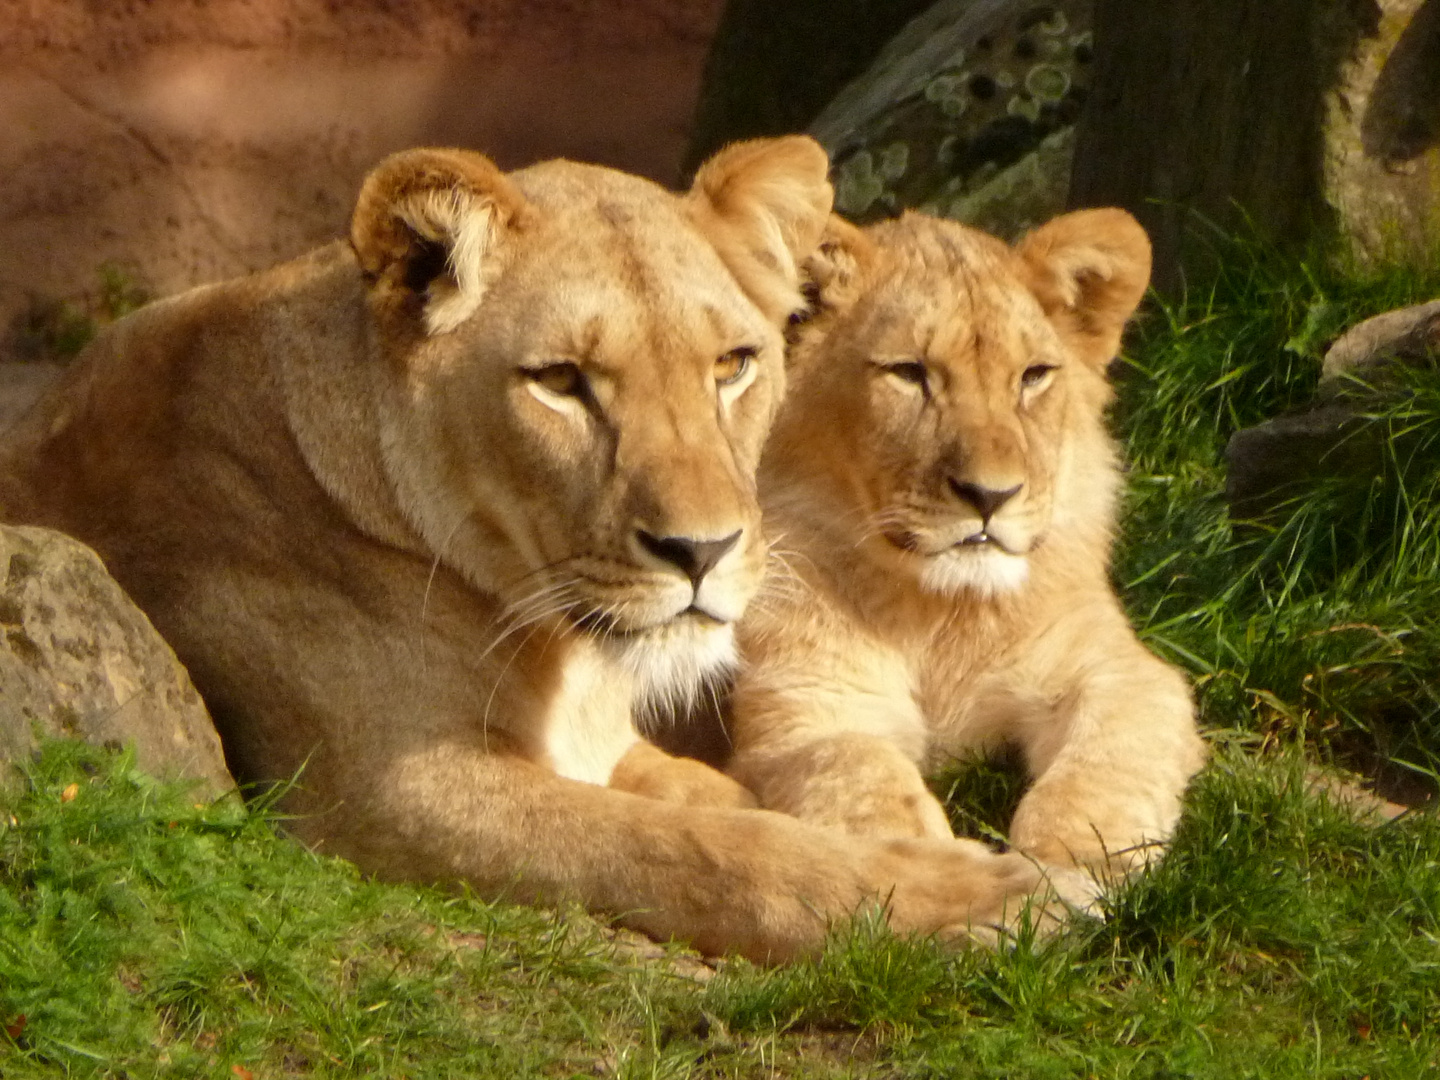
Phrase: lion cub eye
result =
(563, 379)
(731, 367)
(910, 371)
(1035, 374)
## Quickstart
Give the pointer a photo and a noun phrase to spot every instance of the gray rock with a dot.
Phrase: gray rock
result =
(1402, 117)
(78, 659)
(968, 113)
(1270, 463)
(1409, 333)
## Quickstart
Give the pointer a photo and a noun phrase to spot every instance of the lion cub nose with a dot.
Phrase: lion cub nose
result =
(985, 500)
(695, 557)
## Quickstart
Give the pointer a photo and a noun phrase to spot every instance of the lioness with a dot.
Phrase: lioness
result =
(433, 513)
(942, 491)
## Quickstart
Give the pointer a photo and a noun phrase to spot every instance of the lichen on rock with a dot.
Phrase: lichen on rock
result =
(967, 113)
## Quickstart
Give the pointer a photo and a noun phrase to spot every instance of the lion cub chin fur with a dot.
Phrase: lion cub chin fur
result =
(942, 489)
(430, 515)
(988, 573)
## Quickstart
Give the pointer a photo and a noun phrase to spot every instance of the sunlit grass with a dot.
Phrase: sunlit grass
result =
(143, 936)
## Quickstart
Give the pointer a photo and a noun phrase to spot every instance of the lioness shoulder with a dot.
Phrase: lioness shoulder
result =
(942, 488)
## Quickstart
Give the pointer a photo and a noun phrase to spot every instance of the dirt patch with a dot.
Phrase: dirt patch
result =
(190, 140)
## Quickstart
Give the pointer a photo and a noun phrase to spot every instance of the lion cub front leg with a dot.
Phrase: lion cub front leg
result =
(647, 770)
(1111, 766)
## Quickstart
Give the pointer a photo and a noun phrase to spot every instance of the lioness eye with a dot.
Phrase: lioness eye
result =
(563, 378)
(731, 367)
(1035, 374)
(911, 371)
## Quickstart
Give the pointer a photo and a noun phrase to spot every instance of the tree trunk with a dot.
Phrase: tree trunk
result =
(1216, 110)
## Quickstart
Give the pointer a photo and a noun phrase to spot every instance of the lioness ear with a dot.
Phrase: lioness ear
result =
(426, 228)
(1089, 270)
(764, 204)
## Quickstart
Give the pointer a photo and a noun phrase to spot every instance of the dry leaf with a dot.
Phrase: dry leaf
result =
(15, 1028)
(68, 795)
(242, 1072)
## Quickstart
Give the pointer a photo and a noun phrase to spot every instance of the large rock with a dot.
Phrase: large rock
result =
(78, 659)
(1271, 464)
(968, 113)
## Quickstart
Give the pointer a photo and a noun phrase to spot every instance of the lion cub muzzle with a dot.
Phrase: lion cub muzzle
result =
(977, 518)
(984, 501)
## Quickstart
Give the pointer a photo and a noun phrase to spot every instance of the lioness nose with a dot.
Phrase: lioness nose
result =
(985, 500)
(695, 557)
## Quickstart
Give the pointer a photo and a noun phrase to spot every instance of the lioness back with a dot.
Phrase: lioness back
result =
(944, 488)
(432, 516)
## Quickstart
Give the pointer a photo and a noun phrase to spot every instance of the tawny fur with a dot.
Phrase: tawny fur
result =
(396, 540)
(906, 629)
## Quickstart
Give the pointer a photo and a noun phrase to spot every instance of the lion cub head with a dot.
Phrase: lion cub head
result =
(576, 370)
(946, 410)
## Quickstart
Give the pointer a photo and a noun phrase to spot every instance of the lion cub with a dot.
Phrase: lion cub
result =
(941, 491)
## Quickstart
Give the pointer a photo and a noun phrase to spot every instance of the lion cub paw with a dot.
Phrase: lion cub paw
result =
(961, 889)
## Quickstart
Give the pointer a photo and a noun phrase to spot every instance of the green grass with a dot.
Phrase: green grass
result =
(1325, 622)
(144, 936)
(141, 935)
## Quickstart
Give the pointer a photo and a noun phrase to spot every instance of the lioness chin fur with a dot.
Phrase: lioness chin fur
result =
(942, 490)
(434, 513)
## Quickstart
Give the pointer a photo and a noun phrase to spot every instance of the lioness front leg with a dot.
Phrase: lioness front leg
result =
(647, 770)
(835, 760)
(1111, 766)
(752, 882)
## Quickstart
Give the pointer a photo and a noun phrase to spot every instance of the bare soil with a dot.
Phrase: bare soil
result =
(191, 140)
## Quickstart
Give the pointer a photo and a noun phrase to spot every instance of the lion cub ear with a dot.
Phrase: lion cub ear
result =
(833, 276)
(1089, 270)
(764, 205)
(426, 228)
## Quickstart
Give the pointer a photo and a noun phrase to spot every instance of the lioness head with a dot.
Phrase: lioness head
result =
(947, 410)
(579, 369)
